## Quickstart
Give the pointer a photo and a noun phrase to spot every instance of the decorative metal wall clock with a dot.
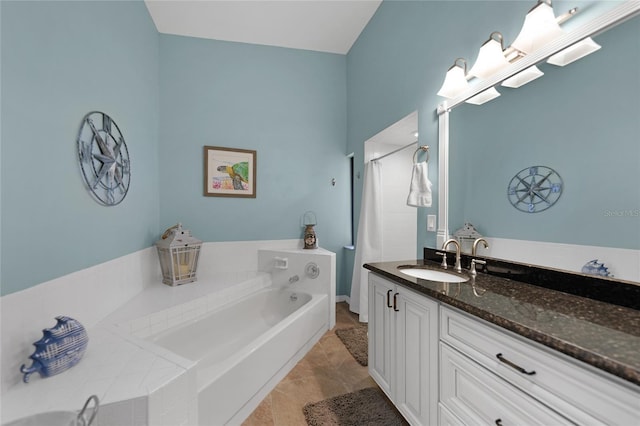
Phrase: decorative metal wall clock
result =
(104, 158)
(535, 189)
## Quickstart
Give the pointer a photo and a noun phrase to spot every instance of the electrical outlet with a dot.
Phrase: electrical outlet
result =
(431, 222)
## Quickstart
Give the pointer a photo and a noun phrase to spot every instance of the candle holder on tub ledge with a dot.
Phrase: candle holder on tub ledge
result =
(178, 252)
(310, 239)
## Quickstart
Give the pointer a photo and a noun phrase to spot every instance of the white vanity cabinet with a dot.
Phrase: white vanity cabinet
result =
(403, 348)
(489, 375)
(442, 366)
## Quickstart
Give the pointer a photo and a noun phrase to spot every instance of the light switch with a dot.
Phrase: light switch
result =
(431, 222)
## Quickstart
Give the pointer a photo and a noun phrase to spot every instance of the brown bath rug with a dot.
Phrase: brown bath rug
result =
(367, 407)
(355, 340)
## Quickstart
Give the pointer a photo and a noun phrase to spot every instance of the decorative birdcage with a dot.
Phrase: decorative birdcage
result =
(178, 252)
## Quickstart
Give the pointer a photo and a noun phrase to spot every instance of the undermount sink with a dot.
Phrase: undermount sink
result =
(431, 275)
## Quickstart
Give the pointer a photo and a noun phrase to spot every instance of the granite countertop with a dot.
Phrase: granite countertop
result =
(604, 335)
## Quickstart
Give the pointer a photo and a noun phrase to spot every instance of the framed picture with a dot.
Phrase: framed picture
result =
(229, 172)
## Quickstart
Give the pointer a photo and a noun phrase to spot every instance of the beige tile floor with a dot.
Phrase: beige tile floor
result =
(327, 370)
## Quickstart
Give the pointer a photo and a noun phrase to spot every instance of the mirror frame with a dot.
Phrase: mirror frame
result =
(610, 19)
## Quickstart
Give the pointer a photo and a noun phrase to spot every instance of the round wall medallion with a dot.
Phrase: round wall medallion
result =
(104, 158)
(535, 189)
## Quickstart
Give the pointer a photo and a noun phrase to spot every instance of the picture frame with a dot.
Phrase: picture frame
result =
(229, 172)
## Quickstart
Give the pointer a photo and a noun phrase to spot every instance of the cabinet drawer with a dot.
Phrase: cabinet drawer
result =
(447, 418)
(478, 397)
(577, 391)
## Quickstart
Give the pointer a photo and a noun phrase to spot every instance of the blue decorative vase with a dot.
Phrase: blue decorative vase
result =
(594, 267)
(59, 349)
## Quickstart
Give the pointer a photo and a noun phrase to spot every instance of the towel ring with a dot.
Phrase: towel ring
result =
(424, 148)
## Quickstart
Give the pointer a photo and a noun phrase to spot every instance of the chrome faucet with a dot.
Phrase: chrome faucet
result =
(458, 266)
(475, 245)
(294, 279)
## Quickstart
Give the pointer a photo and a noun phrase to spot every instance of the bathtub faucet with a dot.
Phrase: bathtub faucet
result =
(294, 279)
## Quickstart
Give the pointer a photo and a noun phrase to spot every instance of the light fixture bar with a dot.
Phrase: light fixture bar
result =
(615, 16)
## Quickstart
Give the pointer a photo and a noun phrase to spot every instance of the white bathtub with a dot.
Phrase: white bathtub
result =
(244, 349)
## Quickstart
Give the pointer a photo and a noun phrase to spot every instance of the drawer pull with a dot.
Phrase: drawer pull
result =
(389, 299)
(514, 366)
(395, 303)
(499, 422)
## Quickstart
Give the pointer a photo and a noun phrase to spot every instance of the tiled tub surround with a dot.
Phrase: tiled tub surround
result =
(603, 335)
(137, 382)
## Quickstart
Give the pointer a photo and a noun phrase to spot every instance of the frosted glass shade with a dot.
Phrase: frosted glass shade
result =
(523, 77)
(490, 60)
(455, 82)
(539, 28)
(483, 97)
(574, 52)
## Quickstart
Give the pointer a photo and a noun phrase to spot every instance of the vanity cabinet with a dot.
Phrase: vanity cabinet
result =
(489, 375)
(403, 348)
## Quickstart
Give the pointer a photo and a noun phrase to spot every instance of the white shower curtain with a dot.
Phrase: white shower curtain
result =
(369, 242)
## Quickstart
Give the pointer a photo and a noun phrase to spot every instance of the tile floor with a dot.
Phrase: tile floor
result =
(327, 370)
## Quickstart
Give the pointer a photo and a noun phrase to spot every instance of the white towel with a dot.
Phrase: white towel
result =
(420, 190)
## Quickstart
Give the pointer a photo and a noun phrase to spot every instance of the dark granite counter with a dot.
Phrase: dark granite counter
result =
(602, 334)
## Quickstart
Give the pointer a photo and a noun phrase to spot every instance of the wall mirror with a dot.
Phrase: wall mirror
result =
(581, 120)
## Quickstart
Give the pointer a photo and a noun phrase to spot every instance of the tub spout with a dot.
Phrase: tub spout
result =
(294, 279)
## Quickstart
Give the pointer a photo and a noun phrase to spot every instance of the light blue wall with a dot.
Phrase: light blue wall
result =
(289, 105)
(61, 60)
(399, 62)
(170, 96)
(582, 120)
(397, 66)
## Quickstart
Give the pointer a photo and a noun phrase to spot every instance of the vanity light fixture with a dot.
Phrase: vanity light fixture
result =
(540, 27)
(484, 96)
(490, 57)
(523, 77)
(455, 82)
(574, 52)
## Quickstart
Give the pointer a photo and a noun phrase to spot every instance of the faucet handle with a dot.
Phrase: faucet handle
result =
(472, 268)
(444, 259)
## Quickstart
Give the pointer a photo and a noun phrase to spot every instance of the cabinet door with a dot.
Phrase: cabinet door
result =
(380, 343)
(416, 333)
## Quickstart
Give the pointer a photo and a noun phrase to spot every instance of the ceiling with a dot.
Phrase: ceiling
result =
(321, 25)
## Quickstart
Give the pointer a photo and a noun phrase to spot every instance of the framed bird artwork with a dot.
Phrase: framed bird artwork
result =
(229, 172)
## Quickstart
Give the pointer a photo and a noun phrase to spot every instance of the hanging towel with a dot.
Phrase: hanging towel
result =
(420, 190)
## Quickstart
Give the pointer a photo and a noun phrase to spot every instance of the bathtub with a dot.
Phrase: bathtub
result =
(244, 349)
